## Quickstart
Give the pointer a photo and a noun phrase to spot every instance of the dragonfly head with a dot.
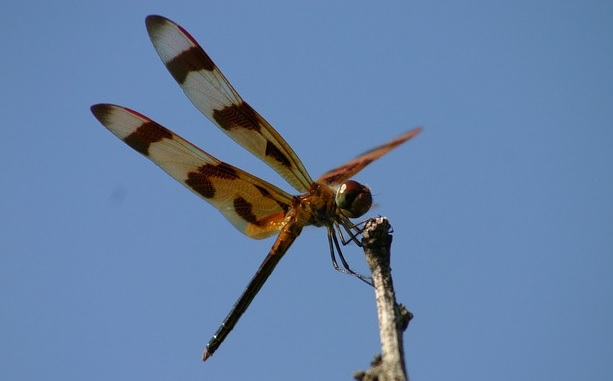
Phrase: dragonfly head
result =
(353, 198)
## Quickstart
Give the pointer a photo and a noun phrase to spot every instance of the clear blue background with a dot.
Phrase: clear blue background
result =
(502, 207)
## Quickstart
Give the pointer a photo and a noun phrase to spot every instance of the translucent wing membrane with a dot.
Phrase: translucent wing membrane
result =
(252, 205)
(215, 97)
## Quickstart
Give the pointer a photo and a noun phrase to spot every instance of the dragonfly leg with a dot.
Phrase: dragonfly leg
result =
(335, 247)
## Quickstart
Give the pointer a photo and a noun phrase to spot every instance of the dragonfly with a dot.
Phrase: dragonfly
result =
(255, 207)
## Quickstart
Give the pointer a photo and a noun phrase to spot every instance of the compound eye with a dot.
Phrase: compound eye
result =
(353, 198)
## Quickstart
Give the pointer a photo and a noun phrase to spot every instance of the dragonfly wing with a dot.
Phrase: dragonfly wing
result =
(252, 205)
(214, 96)
(346, 171)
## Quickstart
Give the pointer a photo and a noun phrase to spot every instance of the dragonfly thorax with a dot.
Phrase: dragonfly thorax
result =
(317, 207)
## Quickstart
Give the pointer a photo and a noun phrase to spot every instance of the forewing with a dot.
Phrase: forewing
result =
(215, 97)
(252, 205)
(346, 171)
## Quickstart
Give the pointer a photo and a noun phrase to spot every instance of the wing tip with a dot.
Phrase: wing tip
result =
(415, 131)
(403, 138)
(155, 21)
(101, 110)
(104, 112)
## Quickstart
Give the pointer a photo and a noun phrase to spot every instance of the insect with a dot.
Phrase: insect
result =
(254, 206)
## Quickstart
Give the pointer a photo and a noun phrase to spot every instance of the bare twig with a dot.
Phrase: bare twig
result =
(393, 318)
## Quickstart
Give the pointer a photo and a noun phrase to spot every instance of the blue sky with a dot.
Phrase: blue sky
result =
(502, 207)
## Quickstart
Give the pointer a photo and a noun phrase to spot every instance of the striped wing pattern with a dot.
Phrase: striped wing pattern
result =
(215, 97)
(252, 205)
(346, 171)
